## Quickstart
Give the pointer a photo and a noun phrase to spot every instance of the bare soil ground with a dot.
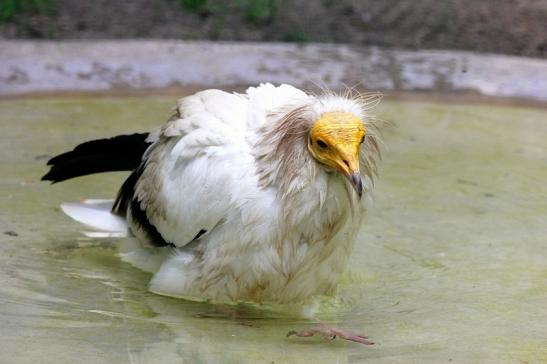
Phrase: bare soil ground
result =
(516, 27)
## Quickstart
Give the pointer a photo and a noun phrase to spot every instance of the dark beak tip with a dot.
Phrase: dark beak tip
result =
(357, 183)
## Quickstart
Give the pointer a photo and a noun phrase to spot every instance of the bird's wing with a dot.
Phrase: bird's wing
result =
(194, 171)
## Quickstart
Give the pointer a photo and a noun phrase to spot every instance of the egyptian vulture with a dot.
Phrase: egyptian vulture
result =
(238, 197)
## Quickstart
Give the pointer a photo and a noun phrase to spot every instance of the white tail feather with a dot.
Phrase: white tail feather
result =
(103, 234)
(97, 214)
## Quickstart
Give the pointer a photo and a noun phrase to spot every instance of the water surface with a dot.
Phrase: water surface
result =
(450, 267)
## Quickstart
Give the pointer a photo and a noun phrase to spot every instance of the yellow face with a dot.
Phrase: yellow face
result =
(334, 141)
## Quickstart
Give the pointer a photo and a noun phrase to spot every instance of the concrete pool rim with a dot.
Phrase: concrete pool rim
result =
(134, 66)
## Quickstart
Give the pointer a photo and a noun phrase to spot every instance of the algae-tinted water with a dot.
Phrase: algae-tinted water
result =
(451, 265)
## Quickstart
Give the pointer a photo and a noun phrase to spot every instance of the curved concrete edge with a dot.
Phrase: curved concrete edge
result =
(36, 66)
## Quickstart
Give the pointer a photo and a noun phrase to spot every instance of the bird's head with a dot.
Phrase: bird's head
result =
(328, 132)
(334, 142)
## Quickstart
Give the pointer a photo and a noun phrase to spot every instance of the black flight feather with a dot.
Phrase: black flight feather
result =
(120, 153)
(126, 201)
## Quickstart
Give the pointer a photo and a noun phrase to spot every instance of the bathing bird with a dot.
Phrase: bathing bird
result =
(253, 196)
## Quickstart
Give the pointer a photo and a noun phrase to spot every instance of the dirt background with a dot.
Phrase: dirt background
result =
(517, 27)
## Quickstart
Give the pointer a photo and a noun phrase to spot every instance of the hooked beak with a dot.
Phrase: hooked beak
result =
(349, 167)
(356, 182)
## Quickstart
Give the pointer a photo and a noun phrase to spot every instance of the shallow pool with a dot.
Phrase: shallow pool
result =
(450, 267)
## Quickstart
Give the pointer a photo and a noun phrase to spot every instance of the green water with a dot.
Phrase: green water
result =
(450, 267)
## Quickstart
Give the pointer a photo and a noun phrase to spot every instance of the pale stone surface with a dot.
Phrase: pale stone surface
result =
(29, 66)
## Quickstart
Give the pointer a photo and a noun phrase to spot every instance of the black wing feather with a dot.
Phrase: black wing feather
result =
(120, 153)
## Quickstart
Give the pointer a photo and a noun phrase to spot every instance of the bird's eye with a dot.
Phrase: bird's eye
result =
(321, 144)
(362, 139)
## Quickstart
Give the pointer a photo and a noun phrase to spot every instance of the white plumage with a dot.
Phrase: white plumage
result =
(237, 188)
